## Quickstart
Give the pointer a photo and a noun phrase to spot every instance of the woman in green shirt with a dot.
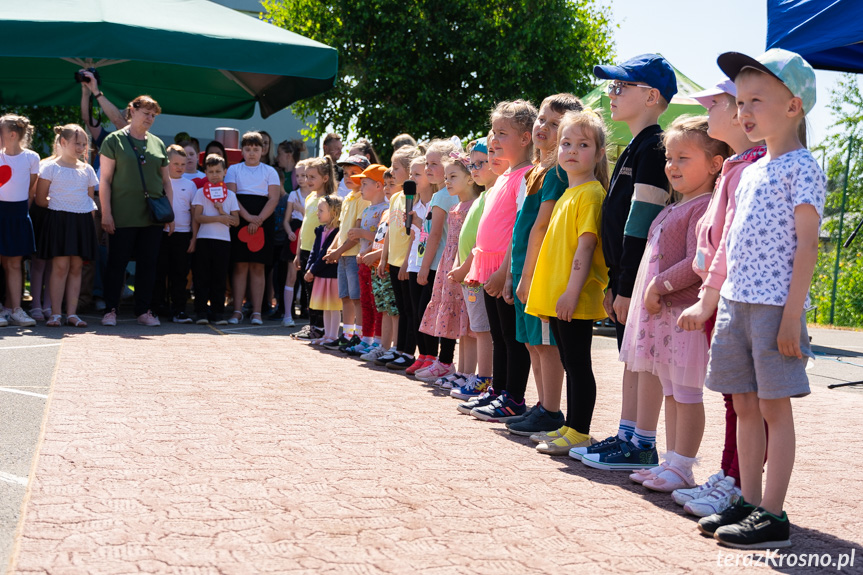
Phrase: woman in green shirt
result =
(125, 215)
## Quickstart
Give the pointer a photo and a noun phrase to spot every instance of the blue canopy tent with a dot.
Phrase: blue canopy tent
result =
(829, 35)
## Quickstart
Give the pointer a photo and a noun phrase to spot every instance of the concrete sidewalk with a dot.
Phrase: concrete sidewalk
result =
(252, 453)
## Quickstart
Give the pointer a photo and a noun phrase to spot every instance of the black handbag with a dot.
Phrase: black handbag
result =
(161, 211)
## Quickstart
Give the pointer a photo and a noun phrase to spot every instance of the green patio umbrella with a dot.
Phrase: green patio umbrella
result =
(194, 57)
(619, 134)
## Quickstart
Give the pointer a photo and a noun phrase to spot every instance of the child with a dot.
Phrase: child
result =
(394, 255)
(344, 253)
(321, 178)
(257, 187)
(446, 315)
(325, 290)
(432, 233)
(69, 236)
(545, 183)
(780, 200)
(409, 270)
(382, 287)
(572, 301)
(722, 488)
(512, 126)
(214, 216)
(190, 170)
(371, 183)
(653, 346)
(293, 223)
(172, 267)
(640, 91)
(16, 228)
(484, 170)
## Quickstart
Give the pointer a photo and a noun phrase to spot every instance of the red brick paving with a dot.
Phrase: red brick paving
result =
(162, 456)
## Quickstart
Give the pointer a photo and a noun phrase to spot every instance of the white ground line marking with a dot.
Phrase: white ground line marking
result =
(9, 478)
(22, 392)
(26, 346)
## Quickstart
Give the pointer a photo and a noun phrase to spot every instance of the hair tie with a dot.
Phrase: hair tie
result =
(463, 158)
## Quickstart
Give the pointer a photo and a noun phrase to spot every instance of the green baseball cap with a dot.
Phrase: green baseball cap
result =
(787, 67)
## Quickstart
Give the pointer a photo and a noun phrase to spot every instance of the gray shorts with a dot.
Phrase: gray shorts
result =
(475, 303)
(744, 355)
(349, 277)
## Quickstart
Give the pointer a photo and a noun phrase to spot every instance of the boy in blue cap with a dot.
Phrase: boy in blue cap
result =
(640, 90)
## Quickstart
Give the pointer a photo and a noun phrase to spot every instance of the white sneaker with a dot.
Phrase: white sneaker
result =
(19, 317)
(3, 321)
(720, 498)
(374, 354)
(288, 322)
(681, 496)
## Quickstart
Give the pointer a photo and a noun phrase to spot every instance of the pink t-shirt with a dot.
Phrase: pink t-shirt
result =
(709, 262)
(494, 233)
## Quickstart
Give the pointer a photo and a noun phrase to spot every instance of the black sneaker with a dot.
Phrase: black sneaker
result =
(734, 514)
(530, 411)
(480, 401)
(401, 363)
(759, 530)
(608, 444)
(307, 332)
(344, 343)
(540, 421)
(182, 318)
(387, 357)
(201, 319)
(336, 343)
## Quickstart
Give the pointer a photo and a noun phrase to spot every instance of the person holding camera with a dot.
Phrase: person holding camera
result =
(90, 87)
(134, 163)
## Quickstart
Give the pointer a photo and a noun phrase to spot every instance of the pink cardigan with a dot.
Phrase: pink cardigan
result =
(676, 282)
(709, 262)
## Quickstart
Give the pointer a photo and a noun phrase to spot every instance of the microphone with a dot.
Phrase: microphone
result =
(410, 190)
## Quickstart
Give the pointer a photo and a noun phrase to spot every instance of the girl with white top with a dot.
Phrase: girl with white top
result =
(292, 223)
(19, 168)
(257, 187)
(66, 187)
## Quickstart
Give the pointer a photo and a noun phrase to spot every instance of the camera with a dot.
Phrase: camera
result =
(80, 77)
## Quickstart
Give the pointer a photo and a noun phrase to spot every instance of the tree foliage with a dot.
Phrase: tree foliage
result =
(433, 68)
(846, 105)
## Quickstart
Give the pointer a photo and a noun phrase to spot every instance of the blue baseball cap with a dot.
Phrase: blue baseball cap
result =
(650, 69)
(480, 146)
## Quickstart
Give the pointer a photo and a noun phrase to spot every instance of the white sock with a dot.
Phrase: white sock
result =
(368, 340)
(289, 302)
(683, 463)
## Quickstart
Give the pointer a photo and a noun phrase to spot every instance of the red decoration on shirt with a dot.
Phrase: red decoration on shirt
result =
(5, 174)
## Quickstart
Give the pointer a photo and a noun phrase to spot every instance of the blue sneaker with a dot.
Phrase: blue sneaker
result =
(481, 400)
(473, 387)
(500, 410)
(608, 444)
(628, 457)
(359, 349)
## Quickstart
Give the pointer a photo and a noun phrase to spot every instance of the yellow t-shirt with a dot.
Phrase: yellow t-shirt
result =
(578, 211)
(352, 209)
(310, 222)
(400, 241)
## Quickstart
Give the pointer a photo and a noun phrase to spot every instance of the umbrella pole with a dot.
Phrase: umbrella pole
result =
(841, 221)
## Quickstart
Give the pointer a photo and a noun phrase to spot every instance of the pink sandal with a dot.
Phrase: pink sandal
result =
(670, 479)
(641, 475)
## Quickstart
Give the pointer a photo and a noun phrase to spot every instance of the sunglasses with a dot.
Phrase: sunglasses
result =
(478, 165)
(617, 87)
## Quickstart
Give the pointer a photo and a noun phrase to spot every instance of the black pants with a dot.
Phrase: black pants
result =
(316, 316)
(172, 272)
(420, 298)
(407, 340)
(280, 276)
(511, 360)
(447, 350)
(125, 245)
(212, 261)
(573, 344)
(619, 328)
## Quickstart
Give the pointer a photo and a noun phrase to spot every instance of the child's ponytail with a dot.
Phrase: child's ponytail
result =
(20, 125)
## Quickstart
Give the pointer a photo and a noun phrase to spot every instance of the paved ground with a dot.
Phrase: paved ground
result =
(246, 452)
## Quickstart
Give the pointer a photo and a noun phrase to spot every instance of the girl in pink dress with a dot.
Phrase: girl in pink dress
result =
(654, 346)
(446, 315)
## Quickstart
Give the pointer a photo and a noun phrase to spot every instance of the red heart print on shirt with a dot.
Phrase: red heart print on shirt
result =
(255, 242)
(5, 174)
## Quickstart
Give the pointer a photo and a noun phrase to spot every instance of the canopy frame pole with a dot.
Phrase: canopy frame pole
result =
(90, 63)
(231, 76)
